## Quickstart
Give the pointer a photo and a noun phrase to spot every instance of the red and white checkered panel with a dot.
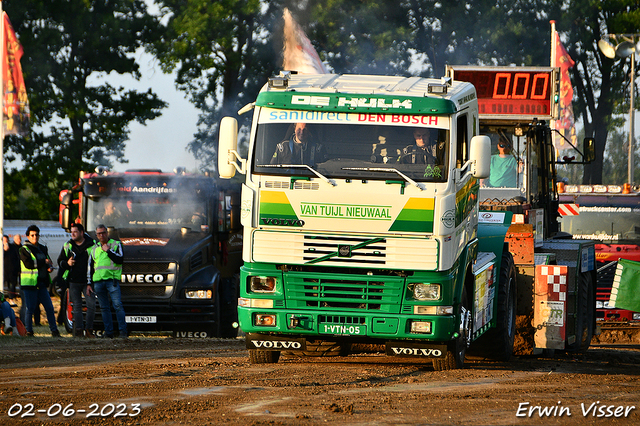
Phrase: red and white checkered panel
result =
(550, 314)
(556, 281)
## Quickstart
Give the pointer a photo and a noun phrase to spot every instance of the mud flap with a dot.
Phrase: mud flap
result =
(267, 342)
(410, 349)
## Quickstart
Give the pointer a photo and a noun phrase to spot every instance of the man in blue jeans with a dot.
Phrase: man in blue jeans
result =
(35, 266)
(106, 269)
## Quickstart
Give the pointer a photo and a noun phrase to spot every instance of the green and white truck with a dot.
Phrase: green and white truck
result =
(355, 239)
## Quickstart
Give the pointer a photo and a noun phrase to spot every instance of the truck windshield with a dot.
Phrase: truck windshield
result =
(606, 224)
(507, 163)
(359, 146)
(147, 212)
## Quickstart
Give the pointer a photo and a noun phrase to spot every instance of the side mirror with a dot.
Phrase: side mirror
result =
(589, 149)
(64, 212)
(227, 146)
(480, 156)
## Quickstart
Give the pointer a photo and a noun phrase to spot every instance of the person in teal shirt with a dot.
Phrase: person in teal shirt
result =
(503, 167)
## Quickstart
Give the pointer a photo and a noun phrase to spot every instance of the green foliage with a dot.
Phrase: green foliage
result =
(223, 53)
(615, 167)
(365, 37)
(600, 84)
(78, 121)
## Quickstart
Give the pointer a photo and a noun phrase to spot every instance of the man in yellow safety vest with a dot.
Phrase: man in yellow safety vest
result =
(106, 269)
(35, 266)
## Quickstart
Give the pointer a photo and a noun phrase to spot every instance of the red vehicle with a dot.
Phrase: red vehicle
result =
(610, 215)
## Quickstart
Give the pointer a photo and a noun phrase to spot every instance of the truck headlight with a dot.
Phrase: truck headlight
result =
(636, 316)
(198, 294)
(599, 304)
(262, 284)
(426, 291)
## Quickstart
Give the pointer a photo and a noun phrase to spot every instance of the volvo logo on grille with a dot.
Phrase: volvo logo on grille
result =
(344, 250)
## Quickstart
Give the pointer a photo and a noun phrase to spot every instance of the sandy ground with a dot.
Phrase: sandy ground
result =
(166, 381)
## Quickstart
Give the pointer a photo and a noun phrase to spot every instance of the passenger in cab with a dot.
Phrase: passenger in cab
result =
(504, 167)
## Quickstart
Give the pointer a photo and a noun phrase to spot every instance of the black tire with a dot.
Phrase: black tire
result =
(263, 357)
(458, 348)
(497, 343)
(228, 307)
(586, 307)
(65, 306)
(321, 348)
(214, 330)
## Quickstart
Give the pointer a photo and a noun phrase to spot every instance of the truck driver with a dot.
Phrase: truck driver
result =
(300, 148)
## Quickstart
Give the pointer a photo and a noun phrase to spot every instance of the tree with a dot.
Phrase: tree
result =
(78, 120)
(354, 36)
(481, 33)
(615, 159)
(382, 37)
(599, 82)
(223, 53)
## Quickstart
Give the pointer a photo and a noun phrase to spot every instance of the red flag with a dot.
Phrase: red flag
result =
(299, 54)
(16, 115)
(565, 123)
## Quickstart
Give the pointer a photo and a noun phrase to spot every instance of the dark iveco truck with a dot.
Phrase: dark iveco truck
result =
(182, 243)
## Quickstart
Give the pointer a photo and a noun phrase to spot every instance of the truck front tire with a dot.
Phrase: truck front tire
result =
(458, 348)
(586, 311)
(497, 343)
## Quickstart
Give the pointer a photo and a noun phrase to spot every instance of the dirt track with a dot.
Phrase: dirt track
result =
(190, 381)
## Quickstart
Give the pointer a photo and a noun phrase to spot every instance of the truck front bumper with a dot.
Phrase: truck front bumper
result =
(360, 327)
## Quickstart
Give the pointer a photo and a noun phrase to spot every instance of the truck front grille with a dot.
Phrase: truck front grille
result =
(144, 267)
(341, 319)
(322, 250)
(606, 274)
(343, 292)
(148, 279)
(155, 291)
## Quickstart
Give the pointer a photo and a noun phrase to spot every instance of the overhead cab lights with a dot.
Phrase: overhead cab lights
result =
(594, 189)
(280, 81)
(439, 88)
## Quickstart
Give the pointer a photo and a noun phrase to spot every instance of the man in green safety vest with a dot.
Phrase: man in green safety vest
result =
(35, 266)
(106, 269)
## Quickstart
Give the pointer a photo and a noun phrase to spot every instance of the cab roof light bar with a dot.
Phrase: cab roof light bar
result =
(281, 81)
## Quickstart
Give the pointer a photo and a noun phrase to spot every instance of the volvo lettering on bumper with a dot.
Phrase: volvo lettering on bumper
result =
(412, 349)
(275, 343)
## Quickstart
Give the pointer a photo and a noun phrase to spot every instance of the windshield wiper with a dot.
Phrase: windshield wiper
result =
(299, 166)
(387, 170)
